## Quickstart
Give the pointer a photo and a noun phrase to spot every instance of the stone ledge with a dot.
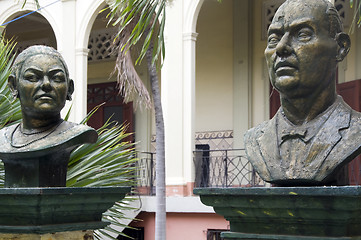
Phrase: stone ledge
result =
(75, 235)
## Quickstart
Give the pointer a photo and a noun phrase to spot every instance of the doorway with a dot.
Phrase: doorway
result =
(112, 106)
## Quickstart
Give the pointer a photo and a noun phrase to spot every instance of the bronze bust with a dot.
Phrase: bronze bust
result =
(314, 133)
(36, 151)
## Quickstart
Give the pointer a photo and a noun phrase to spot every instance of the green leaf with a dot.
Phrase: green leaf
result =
(145, 14)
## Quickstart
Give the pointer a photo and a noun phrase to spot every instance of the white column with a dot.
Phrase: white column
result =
(66, 46)
(79, 109)
(241, 72)
(172, 95)
(189, 79)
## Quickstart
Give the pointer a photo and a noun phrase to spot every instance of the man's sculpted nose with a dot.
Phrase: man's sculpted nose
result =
(283, 47)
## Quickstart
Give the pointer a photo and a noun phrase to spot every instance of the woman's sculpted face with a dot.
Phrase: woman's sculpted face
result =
(42, 85)
(41, 80)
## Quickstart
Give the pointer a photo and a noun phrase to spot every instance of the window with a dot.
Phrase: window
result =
(136, 234)
(215, 234)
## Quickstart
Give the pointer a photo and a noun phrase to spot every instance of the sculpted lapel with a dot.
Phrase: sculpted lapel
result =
(268, 147)
(325, 141)
(253, 152)
(327, 149)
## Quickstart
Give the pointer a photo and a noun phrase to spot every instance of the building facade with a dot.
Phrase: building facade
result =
(214, 86)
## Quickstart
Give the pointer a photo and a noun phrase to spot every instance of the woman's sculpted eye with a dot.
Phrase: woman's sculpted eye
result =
(58, 77)
(31, 76)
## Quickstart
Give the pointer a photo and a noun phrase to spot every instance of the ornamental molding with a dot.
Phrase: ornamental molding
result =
(214, 135)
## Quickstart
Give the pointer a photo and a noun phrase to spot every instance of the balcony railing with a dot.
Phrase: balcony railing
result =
(224, 168)
(214, 168)
(146, 173)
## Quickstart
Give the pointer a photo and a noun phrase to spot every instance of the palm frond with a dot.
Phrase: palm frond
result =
(140, 22)
(356, 19)
(130, 85)
(146, 13)
(108, 162)
(25, 1)
(10, 111)
(116, 216)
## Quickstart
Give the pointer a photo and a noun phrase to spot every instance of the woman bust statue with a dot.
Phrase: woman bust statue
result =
(36, 151)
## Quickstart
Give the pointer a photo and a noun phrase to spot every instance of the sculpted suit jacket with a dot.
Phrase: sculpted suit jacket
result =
(336, 143)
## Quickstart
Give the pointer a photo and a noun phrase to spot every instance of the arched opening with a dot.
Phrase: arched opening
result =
(223, 85)
(214, 74)
(102, 87)
(33, 29)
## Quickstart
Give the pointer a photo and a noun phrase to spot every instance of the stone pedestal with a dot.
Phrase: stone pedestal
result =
(288, 213)
(44, 171)
(75, 235)
(53, 210)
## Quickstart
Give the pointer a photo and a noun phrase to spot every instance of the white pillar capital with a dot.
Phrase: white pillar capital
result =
(190, 36)
(82, 52)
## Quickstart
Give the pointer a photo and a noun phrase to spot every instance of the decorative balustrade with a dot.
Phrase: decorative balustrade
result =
(224, 168)
(214, 168)
(146, 173)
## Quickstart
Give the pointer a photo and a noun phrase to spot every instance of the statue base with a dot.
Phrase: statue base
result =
(75, 235)
(45, 171)
(51, 210)
(292, 212)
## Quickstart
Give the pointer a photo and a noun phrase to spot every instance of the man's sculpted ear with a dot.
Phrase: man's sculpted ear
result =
(344, 43)
(12, 85)
(70, 90)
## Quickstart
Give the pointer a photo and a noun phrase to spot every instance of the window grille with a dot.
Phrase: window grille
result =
(100, 45)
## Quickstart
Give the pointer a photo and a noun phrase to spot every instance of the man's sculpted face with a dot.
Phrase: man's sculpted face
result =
(300, 54)
(42, 85)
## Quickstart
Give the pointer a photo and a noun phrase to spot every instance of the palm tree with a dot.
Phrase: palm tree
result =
(142, 22)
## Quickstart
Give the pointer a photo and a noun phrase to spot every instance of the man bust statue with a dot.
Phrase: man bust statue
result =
(314, 133)
(36, 151)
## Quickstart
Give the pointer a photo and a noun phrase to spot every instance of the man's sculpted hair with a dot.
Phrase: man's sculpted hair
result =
(33, 51)
(335, 22)
(334, 17)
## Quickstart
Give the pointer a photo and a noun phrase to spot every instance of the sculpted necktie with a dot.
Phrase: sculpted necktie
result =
(293, 150)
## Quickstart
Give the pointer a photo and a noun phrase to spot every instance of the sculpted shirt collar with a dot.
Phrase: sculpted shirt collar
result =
(305, 132)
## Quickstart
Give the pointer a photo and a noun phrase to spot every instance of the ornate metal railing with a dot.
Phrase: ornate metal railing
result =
(224, 168)
(214, 168)
(146, 173)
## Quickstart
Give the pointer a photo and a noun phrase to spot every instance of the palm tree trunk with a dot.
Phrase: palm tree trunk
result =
(160, 215)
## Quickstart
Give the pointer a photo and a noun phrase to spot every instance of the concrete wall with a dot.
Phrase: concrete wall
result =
(180, 226)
